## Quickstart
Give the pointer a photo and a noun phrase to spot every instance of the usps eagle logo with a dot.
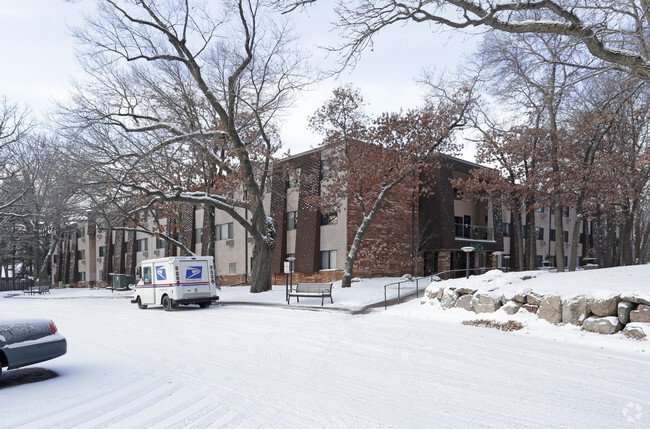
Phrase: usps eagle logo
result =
(161, 273)
(193, 273)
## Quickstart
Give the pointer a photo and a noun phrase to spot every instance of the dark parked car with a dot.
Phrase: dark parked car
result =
(29, 341)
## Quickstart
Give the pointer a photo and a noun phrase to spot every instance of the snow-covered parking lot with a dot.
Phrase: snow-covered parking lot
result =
(272, 366)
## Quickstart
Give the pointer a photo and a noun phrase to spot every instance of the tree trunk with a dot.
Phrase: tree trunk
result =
(559, 237)
(626, 238)
(575, 238)
(519, 240)
(531, 239)
(262, 267)
(609, 251)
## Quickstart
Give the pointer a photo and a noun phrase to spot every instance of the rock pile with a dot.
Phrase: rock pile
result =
(627, 313)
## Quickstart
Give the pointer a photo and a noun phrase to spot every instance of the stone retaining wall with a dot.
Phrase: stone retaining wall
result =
(627, 313)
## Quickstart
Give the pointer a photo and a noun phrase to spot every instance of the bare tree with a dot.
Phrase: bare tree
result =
(181, 107)
(613, 31)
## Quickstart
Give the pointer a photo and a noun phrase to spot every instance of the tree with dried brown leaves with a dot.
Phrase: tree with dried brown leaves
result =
(374, 156)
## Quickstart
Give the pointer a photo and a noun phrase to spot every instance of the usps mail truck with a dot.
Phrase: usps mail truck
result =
(175, 281)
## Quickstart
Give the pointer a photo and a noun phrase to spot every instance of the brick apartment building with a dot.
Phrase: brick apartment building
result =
(414, 233)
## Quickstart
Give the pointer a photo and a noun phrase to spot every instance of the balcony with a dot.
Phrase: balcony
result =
(474, 232)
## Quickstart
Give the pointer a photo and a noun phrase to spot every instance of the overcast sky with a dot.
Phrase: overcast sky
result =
(38, 61)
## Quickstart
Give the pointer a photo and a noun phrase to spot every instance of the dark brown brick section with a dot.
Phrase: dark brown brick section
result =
(108, 256)
(278, 212)
(119, 252)
(207, 239)
(386, 249)
(437, 212)
(188, 212)
(308, 230)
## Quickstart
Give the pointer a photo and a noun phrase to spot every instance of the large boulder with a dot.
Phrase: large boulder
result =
(511, 307)
(550, 309)
(484, 303)
(448, 298)
(519, 297)
(533, 298)
(465, 291)
(641, 314)
(638, 331)
(602, 325)
(624, 308)
(636, 298)
(574, 310)
(603, 307)
(465, 302)
(433, 291)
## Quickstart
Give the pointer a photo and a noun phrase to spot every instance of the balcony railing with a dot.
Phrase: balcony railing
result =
(474, 232)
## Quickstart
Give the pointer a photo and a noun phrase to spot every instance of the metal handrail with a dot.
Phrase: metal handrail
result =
(417, 281)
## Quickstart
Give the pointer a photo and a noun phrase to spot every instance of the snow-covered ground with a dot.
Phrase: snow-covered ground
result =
(266, 366)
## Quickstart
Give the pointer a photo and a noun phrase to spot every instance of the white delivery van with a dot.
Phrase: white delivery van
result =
(175, 281)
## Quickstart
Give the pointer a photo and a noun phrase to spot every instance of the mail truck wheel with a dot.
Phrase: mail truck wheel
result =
(204, 304)
(167, 303)
(141, 305)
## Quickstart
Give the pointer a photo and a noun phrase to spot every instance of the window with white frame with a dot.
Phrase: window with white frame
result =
(81, 254)
(224, 231)
(81, 276)
(102, 251)
(328, 259)
(142, 245)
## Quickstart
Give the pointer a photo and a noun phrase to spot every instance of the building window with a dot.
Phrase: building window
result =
(102, 250)
(293, 178)
(292, 220)
(81, 254)
(329, 218)
(552, 235)
(328, 259)
(457, 194)
(232, 268)
(142, 245)
(505, 261)
(198, 235)
(326, 171)
(81, 232)
(540, 209)
(581, 238)
(160, 243)
(224, 231)
(101, 275)
(539, 259)
(539, 233)
(565, 212)
(506, 230)
(565, 235)
(81, 276)
(54, 259)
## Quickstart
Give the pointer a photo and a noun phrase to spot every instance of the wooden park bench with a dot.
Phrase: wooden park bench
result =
(312, 290)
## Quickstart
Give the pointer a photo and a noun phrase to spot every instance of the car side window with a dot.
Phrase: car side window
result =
(146, 275)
